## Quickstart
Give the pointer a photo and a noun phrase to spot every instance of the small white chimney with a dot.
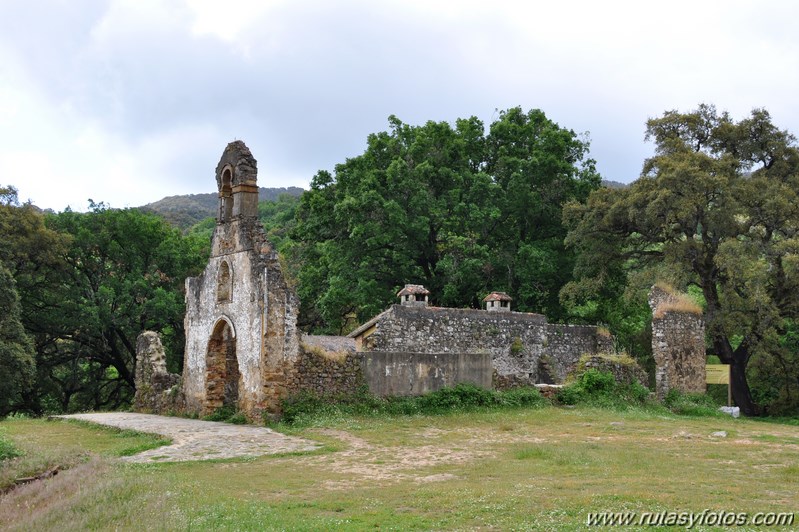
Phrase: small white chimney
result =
(413, 295)
(497, 302)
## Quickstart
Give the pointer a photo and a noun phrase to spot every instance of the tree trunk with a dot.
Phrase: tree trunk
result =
(737, 359)
(740, 388)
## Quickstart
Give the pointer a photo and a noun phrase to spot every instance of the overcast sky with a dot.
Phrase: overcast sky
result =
(128, 101)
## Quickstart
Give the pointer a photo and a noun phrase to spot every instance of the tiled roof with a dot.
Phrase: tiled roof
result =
(412, 290)
(497, 296)
(366, 326)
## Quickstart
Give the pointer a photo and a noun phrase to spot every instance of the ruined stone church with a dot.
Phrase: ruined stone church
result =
(244, 351)
(241, 315)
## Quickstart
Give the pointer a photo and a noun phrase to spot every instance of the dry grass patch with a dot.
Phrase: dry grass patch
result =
(680, 302)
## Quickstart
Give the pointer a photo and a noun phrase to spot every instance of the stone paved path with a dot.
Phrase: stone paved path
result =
(193, 439)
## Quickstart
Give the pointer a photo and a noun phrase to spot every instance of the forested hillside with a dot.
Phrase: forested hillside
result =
(186, 210)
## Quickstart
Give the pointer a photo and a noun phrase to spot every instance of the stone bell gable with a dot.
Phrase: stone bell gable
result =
(241, 313)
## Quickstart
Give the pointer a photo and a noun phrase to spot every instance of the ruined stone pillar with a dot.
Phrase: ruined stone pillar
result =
(678, 342)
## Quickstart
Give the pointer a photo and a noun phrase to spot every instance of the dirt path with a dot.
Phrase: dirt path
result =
(193, 439)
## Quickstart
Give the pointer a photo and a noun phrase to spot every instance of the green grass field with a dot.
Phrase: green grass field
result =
(527, 469)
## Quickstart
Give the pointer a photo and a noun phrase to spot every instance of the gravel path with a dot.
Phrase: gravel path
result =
(193, 439)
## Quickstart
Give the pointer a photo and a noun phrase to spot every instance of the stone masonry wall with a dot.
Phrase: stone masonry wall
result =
(325, 373)
(624, 369)
(565, 344)
(516, 341)
(280, 347)
(678, 345)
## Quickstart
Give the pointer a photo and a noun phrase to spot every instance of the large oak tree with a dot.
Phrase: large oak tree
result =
(458, 209)
(716, 208)
(88, 284)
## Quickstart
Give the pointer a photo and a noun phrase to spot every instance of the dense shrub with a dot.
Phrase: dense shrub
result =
(7, 448)
(598, 388)
(223, 413)
(691, 404)
(303, 407)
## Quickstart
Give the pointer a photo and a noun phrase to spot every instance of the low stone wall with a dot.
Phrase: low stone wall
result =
(565, 344)
(396, 373)
(326, 373)
(506, 382)
(623, 368)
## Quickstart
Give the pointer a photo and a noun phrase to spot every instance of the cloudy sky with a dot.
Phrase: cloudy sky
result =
(128, 101)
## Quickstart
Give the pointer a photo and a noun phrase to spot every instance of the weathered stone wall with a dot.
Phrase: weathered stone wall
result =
(326, 373)
(392, 373)
(623, 368)
(157, 390)
(565, 344)
(678, 344)
(523, 346)
(244, 314)
(280, 338)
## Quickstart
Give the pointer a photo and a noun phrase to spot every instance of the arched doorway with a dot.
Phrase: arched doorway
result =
(222, 369)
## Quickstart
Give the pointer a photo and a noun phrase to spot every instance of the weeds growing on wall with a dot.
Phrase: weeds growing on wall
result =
(304, 408)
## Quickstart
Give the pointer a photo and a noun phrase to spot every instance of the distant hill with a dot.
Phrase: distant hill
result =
(188, 209)
(613, 184)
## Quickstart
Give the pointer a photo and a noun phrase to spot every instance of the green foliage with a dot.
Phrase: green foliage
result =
(223, 413)
(125, 272)
(691, 404)
(89, 283)
(238, 419)
(716, 209)
(599, 388)
(458, 210)
(516, 347)
(462, 396)
(227, 414)
(305, 407)
(7, 448)
(17, 364)
(279, 218)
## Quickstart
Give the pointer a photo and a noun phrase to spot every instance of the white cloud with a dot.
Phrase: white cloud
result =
(127, 101)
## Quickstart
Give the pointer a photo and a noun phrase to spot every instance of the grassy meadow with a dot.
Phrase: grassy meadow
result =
(524, 468)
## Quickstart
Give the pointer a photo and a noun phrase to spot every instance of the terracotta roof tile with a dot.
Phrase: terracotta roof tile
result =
(412, 290)
(497, 296)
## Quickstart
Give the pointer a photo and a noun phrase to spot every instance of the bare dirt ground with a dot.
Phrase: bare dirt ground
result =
(193, 439)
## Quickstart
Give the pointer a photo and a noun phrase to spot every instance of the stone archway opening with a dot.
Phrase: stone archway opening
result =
(222, 369)
(226, 196)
